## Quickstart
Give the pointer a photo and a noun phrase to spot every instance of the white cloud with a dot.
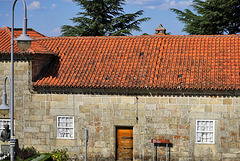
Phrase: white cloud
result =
(162, 4)
(35, 5)
(67, 0)
(139, 2)
(53, 6)
(185, 3)
(56, 31)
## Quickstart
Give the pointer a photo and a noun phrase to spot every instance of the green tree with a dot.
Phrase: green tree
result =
(211, 17)
(103, 18)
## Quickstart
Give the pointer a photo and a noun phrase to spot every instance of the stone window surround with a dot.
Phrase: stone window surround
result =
(72, 127)
(199, 149)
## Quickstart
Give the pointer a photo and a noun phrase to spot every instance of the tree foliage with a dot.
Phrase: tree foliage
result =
(211, 17)
(103, 18)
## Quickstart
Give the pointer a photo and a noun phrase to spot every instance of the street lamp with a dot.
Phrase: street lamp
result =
(24, 42)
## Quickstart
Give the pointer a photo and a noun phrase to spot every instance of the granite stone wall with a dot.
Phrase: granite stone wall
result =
(166, 116)
(159, 117)
(22, 85)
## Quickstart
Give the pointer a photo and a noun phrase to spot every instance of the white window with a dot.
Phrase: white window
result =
(4, 122)
(65, 127)
(205, 131)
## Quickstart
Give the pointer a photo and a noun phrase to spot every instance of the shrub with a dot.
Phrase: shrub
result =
(25, 153)
(60, 155)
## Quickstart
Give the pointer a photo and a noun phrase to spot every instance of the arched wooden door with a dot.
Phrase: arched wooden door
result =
(124, 143)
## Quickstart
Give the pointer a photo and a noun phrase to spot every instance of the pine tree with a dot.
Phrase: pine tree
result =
(103, 18)
(211, 17)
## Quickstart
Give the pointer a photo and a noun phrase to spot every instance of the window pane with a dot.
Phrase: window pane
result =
(205, 131)
(65, 127)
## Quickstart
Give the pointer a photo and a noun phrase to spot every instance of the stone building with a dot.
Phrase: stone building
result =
(127, 90)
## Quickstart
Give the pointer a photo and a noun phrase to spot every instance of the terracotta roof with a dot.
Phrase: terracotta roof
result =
(5, 41)
(159, 62)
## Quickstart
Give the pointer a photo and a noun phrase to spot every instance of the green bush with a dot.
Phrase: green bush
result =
(47, 157)
(60, 155)
(25, 153)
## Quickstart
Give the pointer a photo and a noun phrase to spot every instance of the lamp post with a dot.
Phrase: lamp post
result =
(23, 42)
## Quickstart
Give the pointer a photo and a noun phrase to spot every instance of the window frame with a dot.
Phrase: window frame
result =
(58, 127)
(5, 119)
(209, 131)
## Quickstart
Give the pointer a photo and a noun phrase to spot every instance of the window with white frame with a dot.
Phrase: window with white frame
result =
(65, 127)
(205, 131)
(4, 122)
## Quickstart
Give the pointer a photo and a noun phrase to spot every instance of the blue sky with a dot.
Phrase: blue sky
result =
(47, 16)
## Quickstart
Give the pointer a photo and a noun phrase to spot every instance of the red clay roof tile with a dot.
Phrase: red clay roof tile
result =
(159, 62)
(188, 62)
(5, 39)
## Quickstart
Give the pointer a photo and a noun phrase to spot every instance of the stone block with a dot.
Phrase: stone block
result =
(65, 142)
(185, 107)
(64, 105)
(132, 107)
(35, 105)
(59, 112)
(218, 101)
(227, 101)
(27, 135)
(182, 100)
(94, 106)
(150, 106)
(193, 100)
(43, 141)
(198, 108)
(230, 108)
(106, 100)
(38, 97)
(113, 99)
(175, 113)
(229, 155)
(42, 105)
(84, 109)
(71, 98)
(171, 107)
(99, 144)
(237, 108)
(78, 98)
(34, 118)
(38, 112)
(60, 97)
(141, 106)
(89, 100)
(44, 148)
(32, 129)
(45, 128)
(208, 108)
(35, 142)
(148, 113)
(151, 100)
(119, 99)
(129, 100)
(219, 108)
(172, 100)
(164, 100)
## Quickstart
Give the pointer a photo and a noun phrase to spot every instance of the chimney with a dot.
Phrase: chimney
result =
(160, 30)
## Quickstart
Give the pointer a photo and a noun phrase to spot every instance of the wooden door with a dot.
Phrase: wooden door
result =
(124, 144)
